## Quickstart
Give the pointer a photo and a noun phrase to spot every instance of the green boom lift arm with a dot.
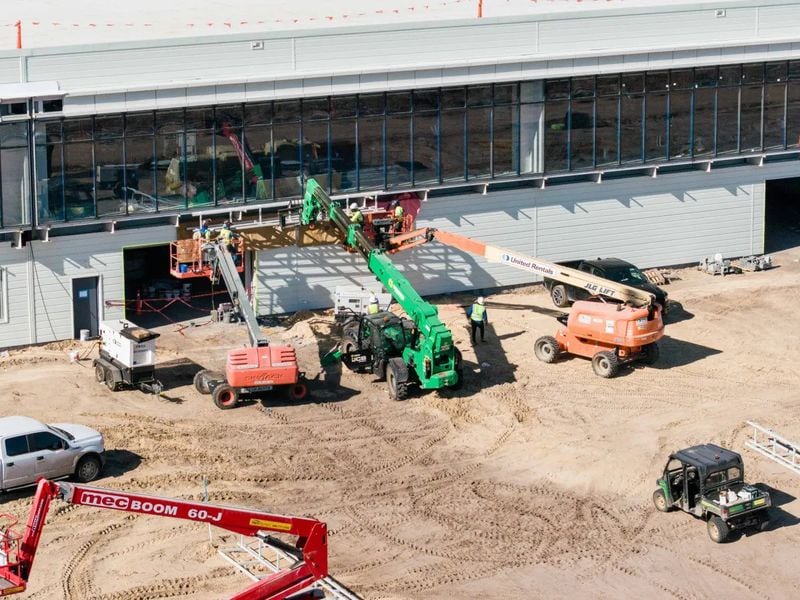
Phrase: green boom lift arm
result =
(433, 356)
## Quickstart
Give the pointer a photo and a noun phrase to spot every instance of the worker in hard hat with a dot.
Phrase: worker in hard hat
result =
(373, 308)
(226, 236)
(398, 214)
(205, 231)
(478, 318)
(356, 218)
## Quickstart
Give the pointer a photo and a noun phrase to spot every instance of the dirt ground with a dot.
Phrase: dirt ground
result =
(535, 480)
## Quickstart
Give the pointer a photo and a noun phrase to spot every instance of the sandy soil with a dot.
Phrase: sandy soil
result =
(534, 480)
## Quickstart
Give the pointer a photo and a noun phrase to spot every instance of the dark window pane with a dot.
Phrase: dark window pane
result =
(258, 139)
(753, 73)
(398, 102)
(14, 135)
(233, 115)
(505, 93)
(704, 121)
(657, 81)
(606, 131)
(727, 120)
(530, 135)
(452, 145)
(198, 119)
(343, 155)
(506, 141)
(794, 70)
(631, 128)
(258, 114)
(170, 171)
(76, 130)
(479, 148)
(581, 142)
(286, 141)
(52, 130)
(776, 72)
(287, 111)
(582, 87)
(78, 184)
(49, 174)
(110, 177)
(479, 95)
(680, 113)
(730, 75)
(555, 89)
(398, 149)
(774, 122)
(655, 126)
(426, 100)
(370, 105)
(15, 171)
(17, 445)
(315, 151)
(139, 124)
(705, 77)
(681, 79)
(343, 106)
(555, 137)
(607, 85)
(751, 119)
(140, 174)
(108, 126)
(632, 83)
(425, 148)
(316, 109)
(227, 169)
(454, 97)
(793, 115)
(370, 153)
(169, 121)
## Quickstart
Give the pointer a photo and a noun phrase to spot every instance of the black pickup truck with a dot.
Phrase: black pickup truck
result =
(613, 269)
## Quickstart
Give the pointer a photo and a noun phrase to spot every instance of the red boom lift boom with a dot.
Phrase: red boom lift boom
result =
(311, 549)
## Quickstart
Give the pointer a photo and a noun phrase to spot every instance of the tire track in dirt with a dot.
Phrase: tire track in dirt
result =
(169, 588)
(77, 580)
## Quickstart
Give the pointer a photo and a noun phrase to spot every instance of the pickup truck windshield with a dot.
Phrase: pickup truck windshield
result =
(628, 275)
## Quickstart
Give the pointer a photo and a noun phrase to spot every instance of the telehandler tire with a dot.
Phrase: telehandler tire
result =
(224, 396)
(396, 379)
(546, 349)
(717, 529)
(605, 364)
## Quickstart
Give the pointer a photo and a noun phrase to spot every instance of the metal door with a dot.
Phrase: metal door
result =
(85, 308)
(19, 465)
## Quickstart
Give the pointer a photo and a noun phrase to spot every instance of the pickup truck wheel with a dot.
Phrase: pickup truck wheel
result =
(88, 469)
(660, 501)
(558, 294)
(605, 364)
(717, 529)
(546, 349)
(99, 373)
(224, 396)
(201, 382)
(650, 354)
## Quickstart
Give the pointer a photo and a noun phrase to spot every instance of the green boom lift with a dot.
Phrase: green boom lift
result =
(429, 357)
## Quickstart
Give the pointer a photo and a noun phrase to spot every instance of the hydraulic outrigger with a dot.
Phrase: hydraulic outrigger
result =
(428, 356)
(311, 549)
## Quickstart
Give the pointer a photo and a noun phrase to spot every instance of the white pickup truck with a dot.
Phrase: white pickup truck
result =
(31, 450)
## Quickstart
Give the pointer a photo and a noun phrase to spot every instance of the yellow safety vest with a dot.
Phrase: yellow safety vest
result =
(357, 218)
(478, 311)
(373, 309)
(398, 212)
(226, 235)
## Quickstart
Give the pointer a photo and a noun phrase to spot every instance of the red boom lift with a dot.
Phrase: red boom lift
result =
(311, 549)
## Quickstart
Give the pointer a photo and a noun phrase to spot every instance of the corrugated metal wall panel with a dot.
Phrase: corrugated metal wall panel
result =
(14, 330)
(672, 219)
(9, 70)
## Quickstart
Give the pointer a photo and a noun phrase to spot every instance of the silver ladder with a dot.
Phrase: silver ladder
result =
(777, 448)
(257, 558)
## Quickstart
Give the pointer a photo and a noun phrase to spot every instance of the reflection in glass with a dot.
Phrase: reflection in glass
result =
(479, 148)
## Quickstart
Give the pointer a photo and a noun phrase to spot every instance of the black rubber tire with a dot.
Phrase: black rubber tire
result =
(717, 529)
(650, 354)
(200, 382)
(765, 520)
(605, 364)
(660, 501)
(110, 383)
(99, 373)
(558, 294)
(296, 391)
(546, 349)
(398, 390)
(88, 469)
(224, 396)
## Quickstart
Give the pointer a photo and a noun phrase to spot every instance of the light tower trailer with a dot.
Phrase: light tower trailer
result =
(127, 357)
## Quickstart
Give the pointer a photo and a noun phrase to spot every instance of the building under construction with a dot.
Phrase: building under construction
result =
(659, 132)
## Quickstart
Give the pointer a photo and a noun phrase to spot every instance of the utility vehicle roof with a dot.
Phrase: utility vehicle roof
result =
(709, 458)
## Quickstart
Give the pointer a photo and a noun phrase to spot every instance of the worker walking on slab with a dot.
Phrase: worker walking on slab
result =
(356, 217)
(373, 308)
(478, 318)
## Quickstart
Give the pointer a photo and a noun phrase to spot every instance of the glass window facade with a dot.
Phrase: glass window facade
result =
(111, 166)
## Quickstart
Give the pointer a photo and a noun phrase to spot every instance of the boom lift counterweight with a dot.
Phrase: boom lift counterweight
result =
(311, 548)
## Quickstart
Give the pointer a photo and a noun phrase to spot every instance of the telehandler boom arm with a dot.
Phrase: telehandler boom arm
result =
(311, 548)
